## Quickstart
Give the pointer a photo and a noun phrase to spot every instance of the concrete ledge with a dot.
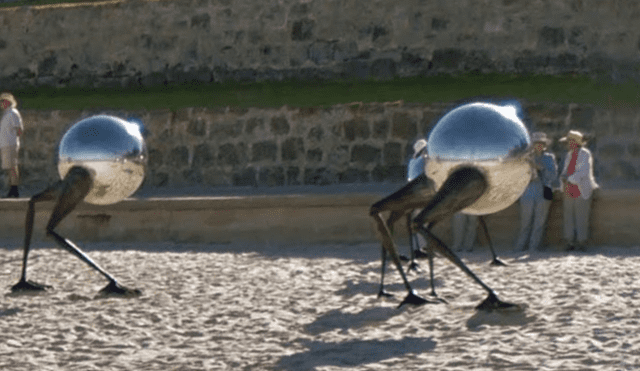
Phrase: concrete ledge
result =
(286, 219)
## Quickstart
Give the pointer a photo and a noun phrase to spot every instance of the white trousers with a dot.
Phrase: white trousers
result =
(576, 213)
(534, 210)
(464, 231)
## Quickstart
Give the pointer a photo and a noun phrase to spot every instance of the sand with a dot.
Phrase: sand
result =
(222, 307)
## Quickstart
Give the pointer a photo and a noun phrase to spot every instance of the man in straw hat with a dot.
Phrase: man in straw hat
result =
(10, 131)
(578, 184)
(535, 202)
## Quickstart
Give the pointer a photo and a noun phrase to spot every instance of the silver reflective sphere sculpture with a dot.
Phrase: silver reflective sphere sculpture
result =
(112, 150)
(478, 163)
(490, 138)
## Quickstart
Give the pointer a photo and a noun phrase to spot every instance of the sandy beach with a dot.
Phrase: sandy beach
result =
(224, 307)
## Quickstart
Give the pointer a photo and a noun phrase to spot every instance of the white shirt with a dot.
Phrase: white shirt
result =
(583, 174)
(9, 125)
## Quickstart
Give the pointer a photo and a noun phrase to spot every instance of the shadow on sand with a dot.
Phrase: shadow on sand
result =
(352, 353)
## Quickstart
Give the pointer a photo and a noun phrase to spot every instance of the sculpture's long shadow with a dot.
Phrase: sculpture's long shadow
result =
(419, 282)
(352, 353)
(337, 319)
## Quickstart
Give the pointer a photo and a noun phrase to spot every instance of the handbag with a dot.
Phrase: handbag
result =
(547, 193)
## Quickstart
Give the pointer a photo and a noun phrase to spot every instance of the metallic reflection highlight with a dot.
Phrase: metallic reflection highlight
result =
(490, 138)
(114, 152)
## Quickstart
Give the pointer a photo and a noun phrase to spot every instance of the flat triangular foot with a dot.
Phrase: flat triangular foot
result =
(438, 299)
(414, 267)
(384, 294)
(25, 286)
(413, 299)
(498, 263)
(113, 289)
(492, 303)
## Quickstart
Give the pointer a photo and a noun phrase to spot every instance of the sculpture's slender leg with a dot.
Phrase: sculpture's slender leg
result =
(414, 194)
(69, 193)
(413, 266)
(393, 218)
(47, 195)
(495, 260)
(389, 246)
(461, 189)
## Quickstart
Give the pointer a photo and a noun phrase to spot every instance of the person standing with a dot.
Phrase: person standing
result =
(536, 199)
(464, 227)
(578, 184)
(10, 132)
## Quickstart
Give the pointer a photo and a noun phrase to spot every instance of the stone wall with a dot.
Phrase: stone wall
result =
(154, 42)
(353, 143)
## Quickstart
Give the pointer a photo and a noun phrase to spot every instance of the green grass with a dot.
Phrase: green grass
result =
(564, 89)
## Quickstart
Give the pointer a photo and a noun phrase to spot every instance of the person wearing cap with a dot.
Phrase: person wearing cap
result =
(578, 184)
(10, 132)
(536, 199)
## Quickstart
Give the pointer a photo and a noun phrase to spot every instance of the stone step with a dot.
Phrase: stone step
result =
(290, 218)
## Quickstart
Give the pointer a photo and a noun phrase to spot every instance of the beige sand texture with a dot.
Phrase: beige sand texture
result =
(208, 307)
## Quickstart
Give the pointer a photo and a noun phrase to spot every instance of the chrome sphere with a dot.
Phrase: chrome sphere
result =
(113, 151)
(490, 138)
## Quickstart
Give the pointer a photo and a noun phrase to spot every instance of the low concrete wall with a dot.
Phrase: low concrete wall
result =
(292, 219)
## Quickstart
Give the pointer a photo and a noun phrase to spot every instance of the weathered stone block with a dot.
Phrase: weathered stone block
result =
(271, 177)
(192, 176)
(634, 149)
(316, 134)
(530, 62)
(319, 176)
(225, 130)
(197, 127)
(201, 21)
(179, 157)
(159, 179)
(302, 30)
(582, 118)
(357, 128)
(439, 24)
(447, 59)
(611, 151)
(245, 178)
(202, 156)
(353, 175)
(252, 124)
(381, 129)
(551, 36)
(279, 125)
(338, 155)
(365, 154)
(293, 175)
(264, 151)
(156, 159)
(392, 154)
(321, 52)
(383, 69)
(622, 170)
(356, 69)
(389, 174)
(314, 155)
(292, 149)
(404, 126)
(229, 155)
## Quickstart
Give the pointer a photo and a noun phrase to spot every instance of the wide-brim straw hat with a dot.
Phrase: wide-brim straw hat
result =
(577, 136)
(540, 137)
(9, 97)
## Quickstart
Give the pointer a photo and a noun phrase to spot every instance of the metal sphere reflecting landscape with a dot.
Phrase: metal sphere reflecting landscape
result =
(114, 152)
(489, 137)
